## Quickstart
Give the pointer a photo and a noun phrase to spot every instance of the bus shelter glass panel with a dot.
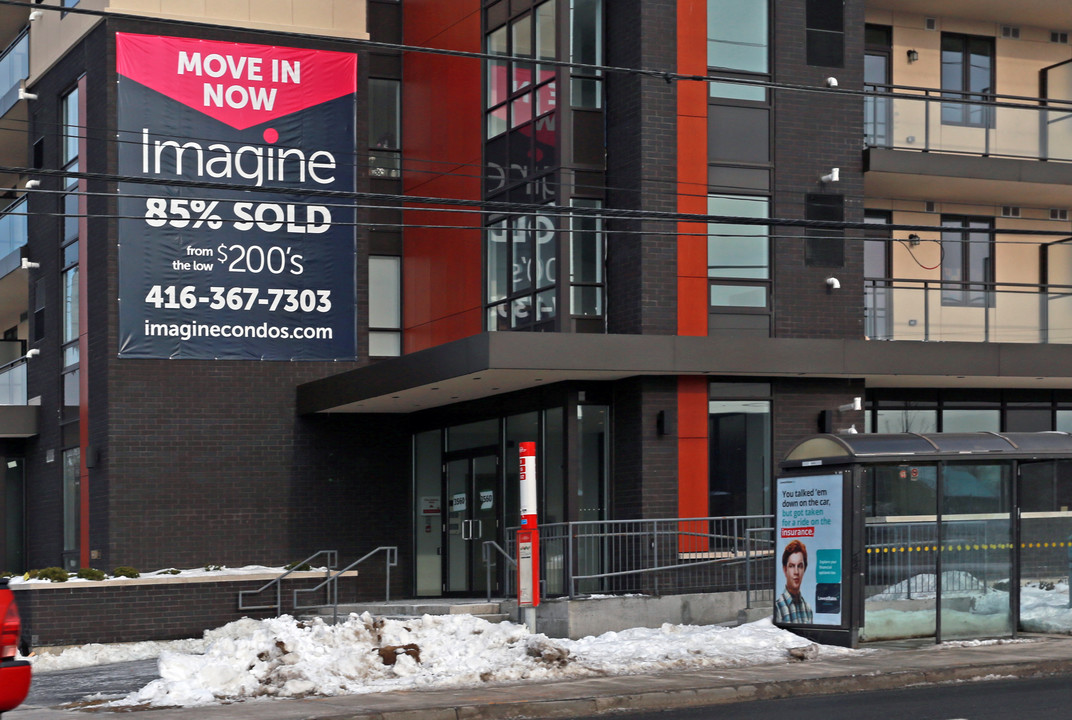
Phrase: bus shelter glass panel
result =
(901, 551)
(976, 550)
(1045, 501)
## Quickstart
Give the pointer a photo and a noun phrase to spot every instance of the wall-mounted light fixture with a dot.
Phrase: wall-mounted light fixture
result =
(913, 239)
(856, 404)
(913, 55)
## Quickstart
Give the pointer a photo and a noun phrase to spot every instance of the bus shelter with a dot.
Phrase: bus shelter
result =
(941, 531)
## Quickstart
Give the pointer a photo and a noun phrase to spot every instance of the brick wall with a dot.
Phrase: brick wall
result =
(815, 132)
(644, 462)
(642, 168)
(77, 614)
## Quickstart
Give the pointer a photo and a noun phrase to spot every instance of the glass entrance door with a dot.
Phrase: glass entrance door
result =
(472, 502)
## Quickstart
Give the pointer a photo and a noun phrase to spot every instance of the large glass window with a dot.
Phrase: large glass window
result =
(522, 266)
(69, 243)
(967, 74)
(385, 306)
(737, 32)
(518, 90)
(967, 261)
(738, 251)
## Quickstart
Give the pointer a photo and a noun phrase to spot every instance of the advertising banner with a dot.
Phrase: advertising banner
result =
(808, 550)
(243, 259)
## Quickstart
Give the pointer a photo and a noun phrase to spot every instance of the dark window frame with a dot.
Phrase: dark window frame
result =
(968, 114)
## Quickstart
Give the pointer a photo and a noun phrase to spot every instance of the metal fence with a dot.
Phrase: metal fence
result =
(654, 556)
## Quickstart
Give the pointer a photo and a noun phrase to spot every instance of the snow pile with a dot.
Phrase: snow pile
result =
(207, 571)
(282, 657)
(1044, 608)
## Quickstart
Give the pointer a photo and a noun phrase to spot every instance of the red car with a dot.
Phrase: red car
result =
(14, 674)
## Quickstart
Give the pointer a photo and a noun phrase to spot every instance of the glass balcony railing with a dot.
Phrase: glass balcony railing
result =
(967, 312)
(929, 120)
(13, 383)
(14, 68)
(13, 228)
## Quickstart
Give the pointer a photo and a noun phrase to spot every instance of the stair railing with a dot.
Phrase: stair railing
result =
(332, 581)
(486, 556)
(332, 557)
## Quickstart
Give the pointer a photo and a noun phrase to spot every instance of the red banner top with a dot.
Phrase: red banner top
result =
(238, 84)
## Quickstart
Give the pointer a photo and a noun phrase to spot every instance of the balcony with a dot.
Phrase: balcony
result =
(917, 119)
(925, 143)
(17, 419)
(935, 310)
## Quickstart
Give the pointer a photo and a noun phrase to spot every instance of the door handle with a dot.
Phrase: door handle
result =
(467, 530)
(479, 529)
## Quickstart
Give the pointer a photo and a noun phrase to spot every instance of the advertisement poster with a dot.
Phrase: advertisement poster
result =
(226, 249)
(809, 575)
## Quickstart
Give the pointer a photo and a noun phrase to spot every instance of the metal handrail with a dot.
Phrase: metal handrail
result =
(485, 555)
(332, 561)
(332, 581)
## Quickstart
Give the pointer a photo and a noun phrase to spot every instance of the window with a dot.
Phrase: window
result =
(738, 252)
(521, 256)
(967, 74)
(878, 304)
(71, 502)
(385, 306)
(967, 261)
(737, 35)
(824, 247)
(385, 128)
(69, 257)
(518, 90)
(825, 22)
(587, 253)
(877, 109)
(586, 47)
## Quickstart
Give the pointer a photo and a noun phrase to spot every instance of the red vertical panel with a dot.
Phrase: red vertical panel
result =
(692, 167)
(442, 133)
(692, 446)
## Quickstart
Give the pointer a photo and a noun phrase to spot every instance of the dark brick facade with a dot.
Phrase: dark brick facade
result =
(644, 463)
(641, 118)
(814, 132)
(62, 614)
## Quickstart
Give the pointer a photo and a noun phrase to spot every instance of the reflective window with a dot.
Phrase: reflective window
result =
(967, 74)
(586, 47)
(385, 306)
(967, 261)
(737, 34)
(736, 250)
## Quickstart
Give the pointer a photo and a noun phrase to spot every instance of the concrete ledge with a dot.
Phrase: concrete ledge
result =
(171, 580)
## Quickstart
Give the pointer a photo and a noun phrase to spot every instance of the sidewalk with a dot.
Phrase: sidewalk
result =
(885, 667)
